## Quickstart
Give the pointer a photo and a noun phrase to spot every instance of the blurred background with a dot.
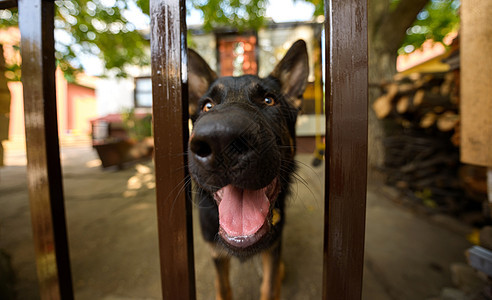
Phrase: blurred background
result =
(429, 146)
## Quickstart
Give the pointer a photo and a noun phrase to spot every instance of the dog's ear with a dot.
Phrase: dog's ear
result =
(200, 76)
(292, 72)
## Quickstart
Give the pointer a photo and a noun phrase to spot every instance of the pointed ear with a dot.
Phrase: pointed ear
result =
(200, 76)
(292, 72)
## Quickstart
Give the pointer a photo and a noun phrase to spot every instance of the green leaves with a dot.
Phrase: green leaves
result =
(8, 18)
(435, 21)
(93, 27)
(102, 28)
(99, 27)
(239, 14)
(319, 8)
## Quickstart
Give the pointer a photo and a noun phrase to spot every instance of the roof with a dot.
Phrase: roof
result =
(429, 58)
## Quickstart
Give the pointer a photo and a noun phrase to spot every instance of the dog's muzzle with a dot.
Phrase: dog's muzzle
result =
(231, 145)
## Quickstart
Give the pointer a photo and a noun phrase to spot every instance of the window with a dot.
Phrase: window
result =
(143, 92)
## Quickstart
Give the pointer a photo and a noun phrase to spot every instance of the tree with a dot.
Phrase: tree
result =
(91, 27)
(95, 27)
(100, 27)
(390, 29)
(398, 27)
(232, 13)
(394, 26)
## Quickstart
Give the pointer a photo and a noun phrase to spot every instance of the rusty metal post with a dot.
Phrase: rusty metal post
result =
(5, 4)
(346, 167)
(43, 155)
(170, 118)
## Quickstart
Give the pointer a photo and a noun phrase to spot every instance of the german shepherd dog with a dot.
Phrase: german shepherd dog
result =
(241, 157)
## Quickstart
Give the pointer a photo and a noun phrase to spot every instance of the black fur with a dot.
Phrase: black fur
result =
(242, 139)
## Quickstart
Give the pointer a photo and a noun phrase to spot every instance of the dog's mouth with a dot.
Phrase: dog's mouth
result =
(245, 216)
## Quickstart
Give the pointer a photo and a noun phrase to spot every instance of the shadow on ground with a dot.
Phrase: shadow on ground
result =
(112, 221)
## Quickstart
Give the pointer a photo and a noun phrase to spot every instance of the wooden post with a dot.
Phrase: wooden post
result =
(346, 167)
(36, 25)
(6, 4)
(476, 87)
(475, 100)
(170, 117)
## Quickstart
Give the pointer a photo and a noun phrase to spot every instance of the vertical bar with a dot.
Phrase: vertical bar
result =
(475, 90)
(346, 107)
(36, 25)
(6, 4)
(170, 117)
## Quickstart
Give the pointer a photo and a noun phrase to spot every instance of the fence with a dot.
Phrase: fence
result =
(345, 185)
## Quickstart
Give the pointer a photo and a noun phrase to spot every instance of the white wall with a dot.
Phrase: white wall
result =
(114, 95)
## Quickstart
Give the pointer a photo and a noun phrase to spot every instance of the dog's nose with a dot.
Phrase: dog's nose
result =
(214, 142)
(200, 146)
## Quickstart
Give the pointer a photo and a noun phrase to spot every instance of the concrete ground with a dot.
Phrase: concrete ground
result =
(114, 251)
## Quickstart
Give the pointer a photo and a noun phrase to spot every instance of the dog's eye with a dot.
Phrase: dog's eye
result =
(269, 101)
(208, 106)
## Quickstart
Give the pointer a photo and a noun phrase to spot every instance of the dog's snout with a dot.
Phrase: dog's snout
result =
(226, 145)
(201, 148)
(221, 140)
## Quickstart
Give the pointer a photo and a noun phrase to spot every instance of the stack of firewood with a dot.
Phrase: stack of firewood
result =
(421, 116)
(426, 167)
(421, 101)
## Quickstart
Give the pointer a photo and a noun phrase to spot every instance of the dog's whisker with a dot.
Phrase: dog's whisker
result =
(305, 183)
(198, 203)
(182, 186)
(241, 162)
(307, 166)
(298, 178)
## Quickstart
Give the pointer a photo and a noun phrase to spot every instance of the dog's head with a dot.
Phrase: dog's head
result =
(241, 150)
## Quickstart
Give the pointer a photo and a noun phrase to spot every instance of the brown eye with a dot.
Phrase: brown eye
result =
(269, 101)
(207, 106)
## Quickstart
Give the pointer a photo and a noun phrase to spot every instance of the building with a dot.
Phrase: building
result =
(76, 102)
(76, 106)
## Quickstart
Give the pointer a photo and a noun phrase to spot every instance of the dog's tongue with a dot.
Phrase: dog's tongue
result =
(242, 212)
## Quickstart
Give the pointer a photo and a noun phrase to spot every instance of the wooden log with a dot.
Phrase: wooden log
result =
(428, 120)
(426, 173)
(425, 101)
(436, 89)
(406, 88)
(420, 82)
(415, 77)
(448, 83)
(447, 121)
(392, 90)
(474, 178)
(439, 109)
(418, 98)
(382, 106)
(402, 104)
(456, 138)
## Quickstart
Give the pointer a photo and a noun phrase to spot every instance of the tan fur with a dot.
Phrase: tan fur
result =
(223, 289)
(273, 274)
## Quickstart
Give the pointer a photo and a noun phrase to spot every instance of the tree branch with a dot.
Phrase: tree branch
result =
(393, 28)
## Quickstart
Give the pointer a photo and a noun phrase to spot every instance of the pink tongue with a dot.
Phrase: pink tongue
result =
(242, 212)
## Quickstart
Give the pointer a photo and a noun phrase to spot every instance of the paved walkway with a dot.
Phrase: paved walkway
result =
(113, 240)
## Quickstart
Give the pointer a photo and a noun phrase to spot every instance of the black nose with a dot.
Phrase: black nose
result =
(220, 140)
(201, 148)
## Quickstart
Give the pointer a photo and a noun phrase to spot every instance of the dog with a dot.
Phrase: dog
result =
(241, 158)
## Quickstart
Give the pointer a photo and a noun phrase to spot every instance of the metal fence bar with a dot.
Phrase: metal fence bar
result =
(5, 4)
(346, 171)
(346, 107)
(170, 117)
(43, 155)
